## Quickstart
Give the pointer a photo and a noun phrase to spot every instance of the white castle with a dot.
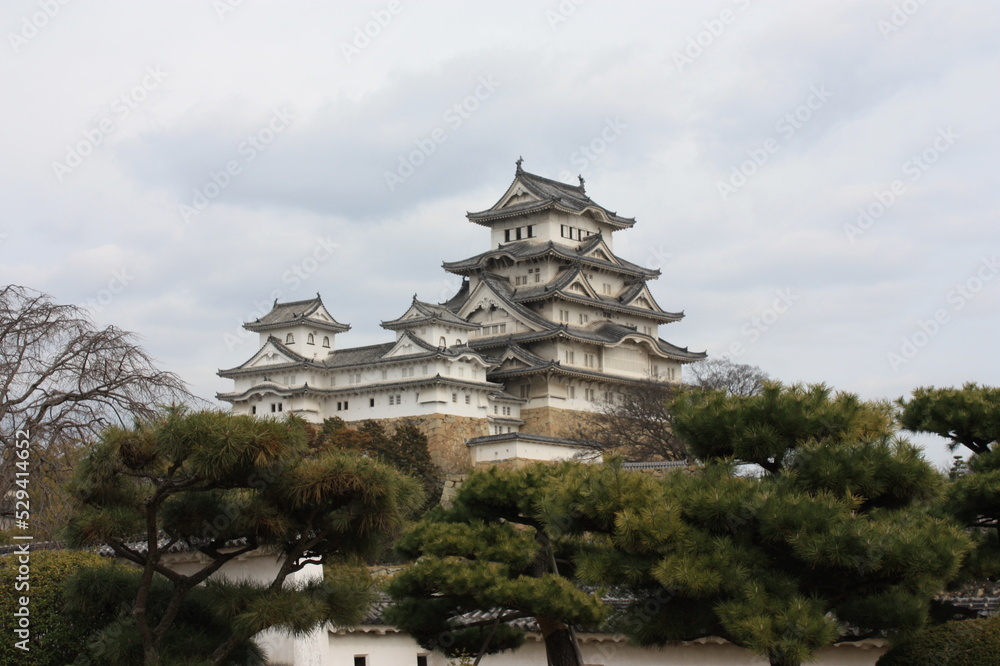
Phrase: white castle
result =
(546, 327)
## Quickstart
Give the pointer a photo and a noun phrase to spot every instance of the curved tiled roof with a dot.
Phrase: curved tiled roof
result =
(428, 312)
(526, 250)
(296, 312)
(550, 194)
(558, 288)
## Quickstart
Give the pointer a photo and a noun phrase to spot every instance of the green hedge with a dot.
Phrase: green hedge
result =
(56, 637)
(961, 643)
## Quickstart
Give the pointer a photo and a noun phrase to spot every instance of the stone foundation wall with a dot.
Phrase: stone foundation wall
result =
(446, 437)
(555, 422)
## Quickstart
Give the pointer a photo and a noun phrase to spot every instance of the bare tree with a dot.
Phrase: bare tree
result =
(636, 424)
(63, 381)
(739, 379)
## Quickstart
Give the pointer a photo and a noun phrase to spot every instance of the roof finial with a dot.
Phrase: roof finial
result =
(275, 303)
(582, 181)
(518, 163)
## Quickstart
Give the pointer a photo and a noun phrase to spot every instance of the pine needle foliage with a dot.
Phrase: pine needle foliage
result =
(765, 428)
(226, 485)
(839, 532)
(496, 552)
(969, 417)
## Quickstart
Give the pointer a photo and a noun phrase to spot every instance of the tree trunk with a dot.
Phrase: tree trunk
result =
(559, 647)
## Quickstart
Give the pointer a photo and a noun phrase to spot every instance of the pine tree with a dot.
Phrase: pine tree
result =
(969, 417)
(492, 552)
(837, 533)
(224, 486)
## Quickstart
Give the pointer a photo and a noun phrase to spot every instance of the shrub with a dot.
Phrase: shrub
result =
(56, 637)
(960, 643)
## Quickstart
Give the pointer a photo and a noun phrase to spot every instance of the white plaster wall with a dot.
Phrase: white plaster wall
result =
(388, 649)
(398, 649)
(499, 451)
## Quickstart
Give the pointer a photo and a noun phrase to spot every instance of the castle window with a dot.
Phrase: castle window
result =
(589, 360)
(468, 399)
(392, 400)
(442, 342)
(454, 397)
(506, 236)
(385, 374)
(311, 340)
(326, 341)
(289, 339)
(531, 231)
(572, 391)
(525, 391)
(570, 357)
(461, 372)
(584, 318)
(458, 341)
(538, 275)
(564, 315)
(253, 410)
(589, 394)
(371, 402)
(606, 288)
(495, 409)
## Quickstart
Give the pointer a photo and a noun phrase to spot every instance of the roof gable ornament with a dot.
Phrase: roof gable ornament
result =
(582, 181)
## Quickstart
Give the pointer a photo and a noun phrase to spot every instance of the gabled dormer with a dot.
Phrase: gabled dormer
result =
(432, 324)
(272, 355)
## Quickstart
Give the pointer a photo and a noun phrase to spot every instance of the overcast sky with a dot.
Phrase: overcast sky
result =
(815, 180)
